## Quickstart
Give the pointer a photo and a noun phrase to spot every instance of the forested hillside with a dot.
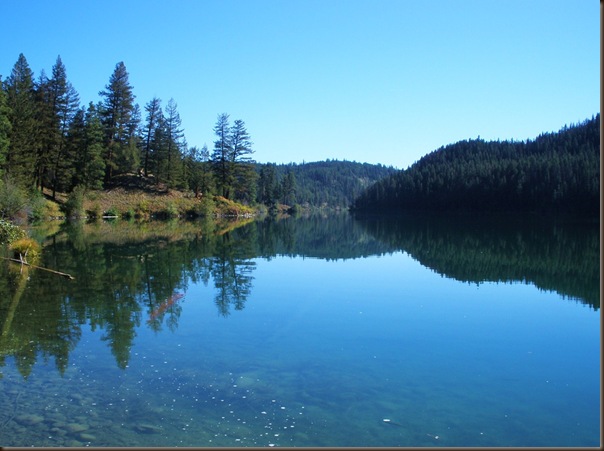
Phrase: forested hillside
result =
(52, 143)
(330, 183)
(554, 173)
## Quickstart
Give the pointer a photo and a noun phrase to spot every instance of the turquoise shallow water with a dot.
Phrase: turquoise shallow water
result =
(321, 352)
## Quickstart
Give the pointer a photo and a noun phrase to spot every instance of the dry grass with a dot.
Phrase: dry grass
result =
(132, 196)
(137, 203)
(26, 250)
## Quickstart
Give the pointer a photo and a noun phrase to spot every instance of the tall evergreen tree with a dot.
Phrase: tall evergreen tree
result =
(118, 107)
(174, 143)
(64, 103)
(288, 188)
(5, 127)
(93, 165)
(154, 112)
(21, 99)
(76, 145)
(47, 131)
(267, 185)
(222, 156)
(241, 144)
(244, 173)
(200, 178)
(86, 142)
(130, 158)
(158, 149)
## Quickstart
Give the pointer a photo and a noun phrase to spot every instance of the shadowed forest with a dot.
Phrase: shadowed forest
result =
(556, 173)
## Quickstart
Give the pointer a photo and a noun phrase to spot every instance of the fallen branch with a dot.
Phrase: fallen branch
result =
(69, 276)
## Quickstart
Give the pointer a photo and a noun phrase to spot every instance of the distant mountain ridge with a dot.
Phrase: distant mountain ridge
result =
(329, 183)
(554, 173)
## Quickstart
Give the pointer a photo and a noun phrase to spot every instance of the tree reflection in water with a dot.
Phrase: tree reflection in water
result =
(136, 275)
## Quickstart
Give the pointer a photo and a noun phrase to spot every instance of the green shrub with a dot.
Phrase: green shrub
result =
(26, 249)
(171, 210)
(143, 209)
(12, 199)
(42, 208)
(206, 207)
(10, 232)
(111, 211)
(51, 210)
(129, 214)
(37, 204)
(74, 206)
(95, 211)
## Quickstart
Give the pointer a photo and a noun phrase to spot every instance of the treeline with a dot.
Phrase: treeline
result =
(554, 173)
(330, 183)
(49, 141)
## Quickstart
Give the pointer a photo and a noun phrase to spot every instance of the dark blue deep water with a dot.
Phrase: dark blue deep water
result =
(305, 332)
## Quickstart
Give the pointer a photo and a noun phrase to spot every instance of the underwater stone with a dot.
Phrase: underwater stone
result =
(76, 427)
(29, 419)
(58, 431)
(147, 428)
(86, 437)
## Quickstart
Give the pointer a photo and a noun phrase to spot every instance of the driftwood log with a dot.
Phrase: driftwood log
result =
(59, 273)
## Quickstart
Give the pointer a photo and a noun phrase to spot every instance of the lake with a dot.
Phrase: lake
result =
(320, 331)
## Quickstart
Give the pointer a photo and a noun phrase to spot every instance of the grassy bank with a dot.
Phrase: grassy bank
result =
(141, 205)
(131, 196)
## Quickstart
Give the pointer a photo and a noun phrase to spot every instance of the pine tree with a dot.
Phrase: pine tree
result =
(244, 173)
(267, 185)
(288, 188)
(158, 149)
(154, 112)
(93, 165)
(199, 172)
(85, 141)
(174, 143)
(206, 185)
(130, 158)
(64, 103)
(76, 145)
(222, 156)
(116, 114)
(5, 128)
(181, 180)
(240, 143)
(47, 132)
(21, 99)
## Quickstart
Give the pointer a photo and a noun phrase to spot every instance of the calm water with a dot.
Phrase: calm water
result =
(308, 332)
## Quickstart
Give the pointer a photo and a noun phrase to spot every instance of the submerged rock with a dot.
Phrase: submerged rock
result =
(86, 437)
(147, 428)
(29, 419)
(76, 427)
(58, 431)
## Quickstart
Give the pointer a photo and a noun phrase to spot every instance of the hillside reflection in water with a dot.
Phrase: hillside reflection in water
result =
(135, 280)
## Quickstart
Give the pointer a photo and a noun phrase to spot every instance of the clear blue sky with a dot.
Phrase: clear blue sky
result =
(378, 81)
